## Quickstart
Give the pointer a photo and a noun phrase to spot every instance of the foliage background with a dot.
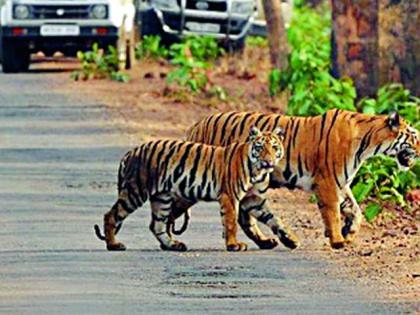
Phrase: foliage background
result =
(314, 91)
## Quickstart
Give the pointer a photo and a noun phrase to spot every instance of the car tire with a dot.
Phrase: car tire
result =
(150, 24)
(15, 56)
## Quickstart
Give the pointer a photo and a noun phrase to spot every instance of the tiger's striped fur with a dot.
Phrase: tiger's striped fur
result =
(322, 154)
(162, 170)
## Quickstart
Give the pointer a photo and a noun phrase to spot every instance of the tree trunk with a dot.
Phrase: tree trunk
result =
(399, 43)
(355, 43)
(377, 42)
(276, 34)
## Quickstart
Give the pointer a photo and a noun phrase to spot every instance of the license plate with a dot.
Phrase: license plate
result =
(60, 30)
(203, 27)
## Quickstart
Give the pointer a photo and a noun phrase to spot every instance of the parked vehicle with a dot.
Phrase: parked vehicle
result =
(259, 26)
(29, 26)
(227, 20)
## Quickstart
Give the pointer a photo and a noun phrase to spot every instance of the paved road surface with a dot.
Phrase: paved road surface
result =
(58, 161)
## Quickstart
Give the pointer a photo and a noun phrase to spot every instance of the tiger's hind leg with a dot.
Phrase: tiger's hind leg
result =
(328, 202)
(249, 225)
(352, 215)
(126, 204)
(258, 207)
(161, 209)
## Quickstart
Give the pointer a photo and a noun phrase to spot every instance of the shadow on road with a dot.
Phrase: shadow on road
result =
(52, 65)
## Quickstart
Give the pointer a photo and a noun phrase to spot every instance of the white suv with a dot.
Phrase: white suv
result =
(64, 25)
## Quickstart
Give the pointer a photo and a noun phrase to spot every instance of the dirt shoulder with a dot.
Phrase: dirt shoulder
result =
(386, 254)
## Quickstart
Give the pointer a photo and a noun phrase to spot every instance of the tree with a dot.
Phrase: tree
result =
(376, 42)
(276, 34)
(355, 43)
(399, 43)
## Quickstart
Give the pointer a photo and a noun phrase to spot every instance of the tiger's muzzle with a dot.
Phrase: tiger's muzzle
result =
(407, 157)
(266, 165)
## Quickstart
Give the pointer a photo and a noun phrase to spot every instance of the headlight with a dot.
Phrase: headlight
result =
(165, 4)
(99, 11)
(21, 12)
(243, 7)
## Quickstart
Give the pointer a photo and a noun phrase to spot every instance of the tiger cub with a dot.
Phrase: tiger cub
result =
(166, 169)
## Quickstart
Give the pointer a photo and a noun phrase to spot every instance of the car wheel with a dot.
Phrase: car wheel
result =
(16, 57)
(150, 24)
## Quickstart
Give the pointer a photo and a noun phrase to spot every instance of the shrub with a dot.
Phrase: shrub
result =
(98, 64)
(192, 57)
(313, 89)
(380, 178)
(150, 47)
(256, 41)
(393, 97)
(201, 48)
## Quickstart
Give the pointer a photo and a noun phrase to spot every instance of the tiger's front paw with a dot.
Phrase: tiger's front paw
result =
(337, 242)
(350, 230)
(289, 239)
(237, 247)
(116, 246)
(269, 243)
(176, 247)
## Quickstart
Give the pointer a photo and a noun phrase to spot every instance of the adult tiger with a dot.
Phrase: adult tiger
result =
(323, 154)
(165, 169)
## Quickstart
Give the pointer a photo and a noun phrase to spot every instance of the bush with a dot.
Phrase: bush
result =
(98, 64)
(380, 178)
(150, 47)
(192, 57)
(256, 41)
(201, 48)
(393, 97)
(313, 89)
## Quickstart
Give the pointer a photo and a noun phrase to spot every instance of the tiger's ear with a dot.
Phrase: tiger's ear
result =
(254, 133)
(393, 121)
(280, 133)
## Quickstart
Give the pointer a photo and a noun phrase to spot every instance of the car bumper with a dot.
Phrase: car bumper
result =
(34, 32)
(31, 37)
(230, 26)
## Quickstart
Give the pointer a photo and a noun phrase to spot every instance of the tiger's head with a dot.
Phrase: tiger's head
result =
(265, 151)
(405, 145)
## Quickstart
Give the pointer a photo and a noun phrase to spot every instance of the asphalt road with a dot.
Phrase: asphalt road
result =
(58, 161)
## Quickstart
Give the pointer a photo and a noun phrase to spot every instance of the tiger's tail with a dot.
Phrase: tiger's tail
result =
(184, 226)
(99, 233)
(121, 175)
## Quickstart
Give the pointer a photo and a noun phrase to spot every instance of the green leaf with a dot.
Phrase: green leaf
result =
(362, 189)
(371, 211)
